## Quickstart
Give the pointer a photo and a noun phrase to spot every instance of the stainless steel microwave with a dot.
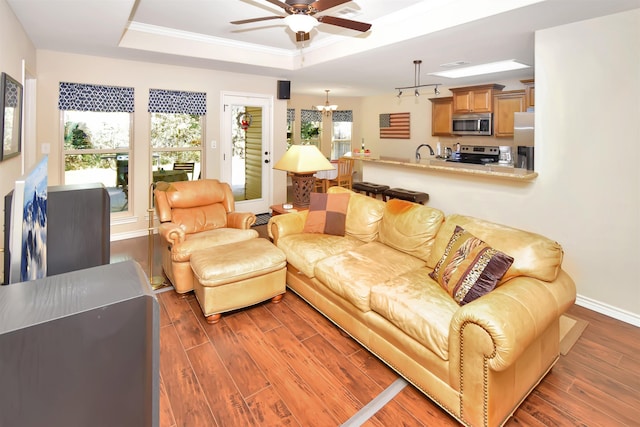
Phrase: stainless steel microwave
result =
(472, 124)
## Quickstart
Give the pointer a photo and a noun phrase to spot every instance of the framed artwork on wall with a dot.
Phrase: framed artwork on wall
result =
(11, 117)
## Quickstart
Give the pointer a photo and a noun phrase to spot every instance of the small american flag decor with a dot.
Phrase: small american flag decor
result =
(395, 126)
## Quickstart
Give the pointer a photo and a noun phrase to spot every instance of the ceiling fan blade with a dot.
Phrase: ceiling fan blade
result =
(302, 37)
(321, 5)
(346, 23)
(265, 18)
(279, 4)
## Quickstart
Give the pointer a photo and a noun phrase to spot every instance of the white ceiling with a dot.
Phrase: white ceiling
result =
(198, 33)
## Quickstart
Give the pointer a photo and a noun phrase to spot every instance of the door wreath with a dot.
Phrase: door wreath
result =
(244, 120)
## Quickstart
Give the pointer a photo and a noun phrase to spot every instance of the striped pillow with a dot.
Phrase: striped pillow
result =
(469, 268)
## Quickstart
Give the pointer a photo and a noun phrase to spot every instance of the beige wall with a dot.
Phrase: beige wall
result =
(587, 195)
(56, 67)
(15, 49)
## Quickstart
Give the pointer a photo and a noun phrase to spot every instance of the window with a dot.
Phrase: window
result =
(341, 138)
(176, 134)
(97, 138)
(311, 124)
(291, 118)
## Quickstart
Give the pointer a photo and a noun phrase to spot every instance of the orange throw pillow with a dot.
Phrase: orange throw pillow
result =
(327, 213)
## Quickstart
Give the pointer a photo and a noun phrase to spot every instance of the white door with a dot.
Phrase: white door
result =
(246, 150)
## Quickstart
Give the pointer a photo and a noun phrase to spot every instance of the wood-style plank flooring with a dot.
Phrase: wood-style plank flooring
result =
(285, 364)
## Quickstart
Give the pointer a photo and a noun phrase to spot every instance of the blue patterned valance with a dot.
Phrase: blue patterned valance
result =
(87, 97)
(177, 102)
(291, 115)
(342, 116)
(310, 116)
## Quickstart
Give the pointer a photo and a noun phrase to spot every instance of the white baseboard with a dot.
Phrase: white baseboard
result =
(608, 310)
(129, 235)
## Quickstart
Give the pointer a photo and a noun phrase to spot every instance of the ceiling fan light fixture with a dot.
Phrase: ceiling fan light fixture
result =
(301, 22)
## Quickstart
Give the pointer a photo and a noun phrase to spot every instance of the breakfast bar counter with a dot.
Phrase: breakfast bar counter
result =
(437, 165)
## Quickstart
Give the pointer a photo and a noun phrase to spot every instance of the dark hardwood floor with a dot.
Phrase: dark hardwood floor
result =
(285, 364)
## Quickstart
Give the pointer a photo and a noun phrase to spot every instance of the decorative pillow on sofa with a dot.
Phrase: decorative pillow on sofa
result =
(469, 268)
(327, 213)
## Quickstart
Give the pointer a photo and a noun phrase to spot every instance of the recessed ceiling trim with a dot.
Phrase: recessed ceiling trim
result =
(203, 38)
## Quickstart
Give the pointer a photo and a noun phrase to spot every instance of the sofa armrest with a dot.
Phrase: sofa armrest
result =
(241, 220)
(285, 224)
(508, 319)
(172, 233)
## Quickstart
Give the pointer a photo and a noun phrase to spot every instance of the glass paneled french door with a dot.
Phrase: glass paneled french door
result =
(246, 150)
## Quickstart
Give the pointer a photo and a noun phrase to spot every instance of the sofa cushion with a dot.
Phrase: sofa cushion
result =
(327, 214)
(351, 274)
(304, 250)
(181, 252)
(363, 214)
(469, 268)
(533, 255)
(419, 307)
(410, 227)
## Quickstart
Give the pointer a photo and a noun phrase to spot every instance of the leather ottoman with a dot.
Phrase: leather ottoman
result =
(237, 275)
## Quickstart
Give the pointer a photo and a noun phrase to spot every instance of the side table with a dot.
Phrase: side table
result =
(279, 210)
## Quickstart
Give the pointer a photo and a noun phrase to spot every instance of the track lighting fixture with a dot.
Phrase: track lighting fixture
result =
(416, 81)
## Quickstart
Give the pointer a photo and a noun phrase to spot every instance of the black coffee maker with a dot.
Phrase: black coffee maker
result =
(524, 158)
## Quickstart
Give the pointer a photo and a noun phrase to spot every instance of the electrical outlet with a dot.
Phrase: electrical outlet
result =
(46, 148)
(214, 144)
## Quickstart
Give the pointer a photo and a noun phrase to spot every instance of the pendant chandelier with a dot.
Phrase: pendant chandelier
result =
(326, 108)
(416, 81)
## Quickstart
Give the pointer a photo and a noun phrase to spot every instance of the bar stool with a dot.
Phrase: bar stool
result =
(408, 195)
(371, 189)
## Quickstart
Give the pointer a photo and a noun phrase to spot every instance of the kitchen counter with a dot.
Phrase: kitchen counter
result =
(438, 165)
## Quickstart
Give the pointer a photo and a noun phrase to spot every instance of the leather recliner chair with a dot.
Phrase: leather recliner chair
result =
(196, 215)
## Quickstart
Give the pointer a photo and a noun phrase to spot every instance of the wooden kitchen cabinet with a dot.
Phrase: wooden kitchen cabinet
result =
(441, 116)
(474, 99)
(504, 105)
(530, 92)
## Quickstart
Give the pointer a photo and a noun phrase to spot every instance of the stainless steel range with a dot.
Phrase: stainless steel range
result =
(476, 155)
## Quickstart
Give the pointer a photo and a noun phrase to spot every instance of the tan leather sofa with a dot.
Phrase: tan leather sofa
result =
(196, 215)
(477, 361)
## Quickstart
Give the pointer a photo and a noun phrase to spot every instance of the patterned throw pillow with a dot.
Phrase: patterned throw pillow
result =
(469, 268)
(327, 213)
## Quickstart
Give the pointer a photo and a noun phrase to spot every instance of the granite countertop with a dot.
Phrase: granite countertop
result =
(433, 164)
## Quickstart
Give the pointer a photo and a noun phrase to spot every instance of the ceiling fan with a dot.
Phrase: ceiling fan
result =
(300, 16)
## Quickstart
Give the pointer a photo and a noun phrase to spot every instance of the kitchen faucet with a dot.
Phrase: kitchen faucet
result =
(418, 150)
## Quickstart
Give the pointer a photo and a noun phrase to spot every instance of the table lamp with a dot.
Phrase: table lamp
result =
(303, 161)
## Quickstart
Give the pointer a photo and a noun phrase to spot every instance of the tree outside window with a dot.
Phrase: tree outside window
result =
(310, 127)
(175, 138)
(96, 149)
